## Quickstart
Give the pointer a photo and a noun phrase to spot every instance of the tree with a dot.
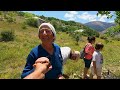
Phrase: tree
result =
(28, 15)
(110, 15)
(32, 22)
(117, 19)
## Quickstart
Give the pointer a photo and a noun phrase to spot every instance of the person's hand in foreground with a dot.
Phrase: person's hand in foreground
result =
(42, 66)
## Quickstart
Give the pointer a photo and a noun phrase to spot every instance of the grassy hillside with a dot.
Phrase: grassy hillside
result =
(13, 53)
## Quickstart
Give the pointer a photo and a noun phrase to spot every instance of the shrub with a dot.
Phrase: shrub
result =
(20, 13)
(24, 26)
(32, 22)
(7, 35)
(117, 37)
(103, 36)
(10, 19)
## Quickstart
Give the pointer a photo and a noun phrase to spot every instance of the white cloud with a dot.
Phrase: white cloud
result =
(71, 15)
(111, 21)
(73, 12)
(102, 18)
(87, 16)
(72, 18)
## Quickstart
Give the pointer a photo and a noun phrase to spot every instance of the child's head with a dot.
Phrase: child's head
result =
(99, 46)
(74, 55)
(91, 39)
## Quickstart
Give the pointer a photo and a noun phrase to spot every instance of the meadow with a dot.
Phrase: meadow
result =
(13, 54)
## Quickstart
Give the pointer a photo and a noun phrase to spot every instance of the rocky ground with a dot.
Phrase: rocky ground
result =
(106, 74)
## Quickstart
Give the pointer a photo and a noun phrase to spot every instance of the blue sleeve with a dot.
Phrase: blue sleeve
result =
(59, 59)
(29, 65)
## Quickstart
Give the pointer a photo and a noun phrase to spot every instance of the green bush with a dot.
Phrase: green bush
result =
(103, 36)
(10, 19)
(24, 26)
(32, 22)
(20, 13)
(117, 37)
(7, 35)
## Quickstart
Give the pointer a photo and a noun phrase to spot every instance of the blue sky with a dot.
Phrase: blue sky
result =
(77, 16)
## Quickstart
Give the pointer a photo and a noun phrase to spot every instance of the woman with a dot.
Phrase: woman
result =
(47, 48)
(89, 49)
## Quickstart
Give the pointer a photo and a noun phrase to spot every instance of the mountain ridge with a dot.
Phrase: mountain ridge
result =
(99, 25)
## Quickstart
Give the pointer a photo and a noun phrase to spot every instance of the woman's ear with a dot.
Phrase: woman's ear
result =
(39, 36)
(53, 39)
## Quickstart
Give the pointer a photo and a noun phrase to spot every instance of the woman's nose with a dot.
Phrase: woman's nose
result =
(44, 32)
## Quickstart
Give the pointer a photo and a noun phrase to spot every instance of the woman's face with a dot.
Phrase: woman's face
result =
(46, 34)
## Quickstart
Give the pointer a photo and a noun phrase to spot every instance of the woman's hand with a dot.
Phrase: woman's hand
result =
(42, 64)
(61, 77)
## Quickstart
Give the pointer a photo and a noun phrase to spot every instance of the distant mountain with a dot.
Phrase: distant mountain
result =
(99, 26)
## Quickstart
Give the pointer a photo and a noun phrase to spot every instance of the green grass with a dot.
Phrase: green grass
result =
(13, 54)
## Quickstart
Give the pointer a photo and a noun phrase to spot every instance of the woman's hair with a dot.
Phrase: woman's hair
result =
(90, 39)
(99, 46)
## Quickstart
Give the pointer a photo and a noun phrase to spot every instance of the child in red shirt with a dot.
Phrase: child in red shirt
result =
(89, 49)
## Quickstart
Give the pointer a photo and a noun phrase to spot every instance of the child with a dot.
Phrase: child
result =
(89, 49)
(67, 54)
(97, 61)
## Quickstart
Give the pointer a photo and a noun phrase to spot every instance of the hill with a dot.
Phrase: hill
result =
(99, 26)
